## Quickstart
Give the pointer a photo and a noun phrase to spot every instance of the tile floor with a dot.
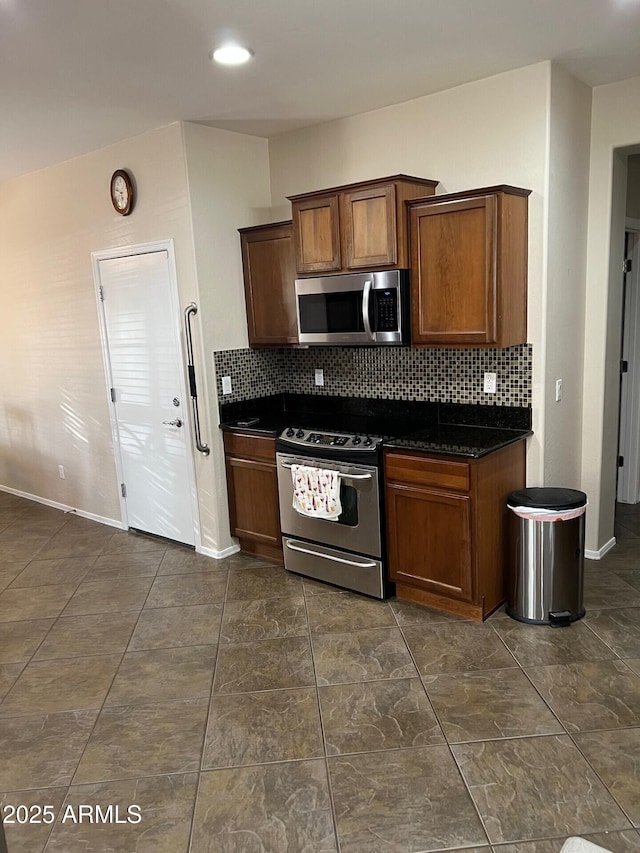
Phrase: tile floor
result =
(245, 709)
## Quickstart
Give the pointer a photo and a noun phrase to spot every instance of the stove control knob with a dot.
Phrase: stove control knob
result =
(368, 440)
(300, 433)
(356, 439)
(289, 432)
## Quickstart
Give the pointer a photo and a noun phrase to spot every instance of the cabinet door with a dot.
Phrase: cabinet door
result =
(253, 500)
(269, 276)
(429, 536)
(368, 219)
(453, 272)
(316, 229)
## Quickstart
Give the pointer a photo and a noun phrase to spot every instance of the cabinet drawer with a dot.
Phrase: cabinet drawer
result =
(426, 471)
(250, 446)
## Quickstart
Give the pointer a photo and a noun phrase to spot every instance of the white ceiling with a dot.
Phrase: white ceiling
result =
(76, 75)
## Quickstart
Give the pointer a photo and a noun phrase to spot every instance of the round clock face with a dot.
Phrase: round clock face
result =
(121, 192)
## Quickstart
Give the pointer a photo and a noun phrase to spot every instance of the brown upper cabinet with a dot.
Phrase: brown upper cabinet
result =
(469, 268)
(269, 274)
(355, 227)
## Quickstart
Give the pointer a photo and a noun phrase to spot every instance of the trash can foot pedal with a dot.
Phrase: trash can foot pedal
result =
(560, 619)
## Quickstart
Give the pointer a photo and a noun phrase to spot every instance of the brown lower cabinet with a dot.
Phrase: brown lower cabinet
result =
(447, 527)
(252, 490)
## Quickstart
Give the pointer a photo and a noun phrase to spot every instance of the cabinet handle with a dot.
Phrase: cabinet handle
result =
(292, 547)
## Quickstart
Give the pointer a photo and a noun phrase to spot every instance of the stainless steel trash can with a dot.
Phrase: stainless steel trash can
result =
(546, 563)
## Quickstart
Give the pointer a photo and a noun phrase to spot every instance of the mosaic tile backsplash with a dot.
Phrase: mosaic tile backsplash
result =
(394, 373)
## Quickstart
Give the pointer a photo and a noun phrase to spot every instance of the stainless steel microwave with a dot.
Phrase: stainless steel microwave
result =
(355, 309)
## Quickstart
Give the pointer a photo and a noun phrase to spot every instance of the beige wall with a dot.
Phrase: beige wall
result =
(53, 402)
(615, 124)
(567, 198)
(228, 178)
(493, 131)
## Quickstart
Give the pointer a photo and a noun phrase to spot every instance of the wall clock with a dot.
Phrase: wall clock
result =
(122, 192)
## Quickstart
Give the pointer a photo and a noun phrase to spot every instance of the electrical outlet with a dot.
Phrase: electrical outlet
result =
(558, 390)
(490, 383)
(226, 385)
(61, 472)
(319, 376)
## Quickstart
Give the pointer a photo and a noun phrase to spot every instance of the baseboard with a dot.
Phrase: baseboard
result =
(219, 555)
(209, 552)
(599, 554)
(111, 522)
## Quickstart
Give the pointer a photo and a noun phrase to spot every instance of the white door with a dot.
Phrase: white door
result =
(146, 374)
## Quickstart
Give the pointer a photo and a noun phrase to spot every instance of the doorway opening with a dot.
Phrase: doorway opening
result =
(628, 457)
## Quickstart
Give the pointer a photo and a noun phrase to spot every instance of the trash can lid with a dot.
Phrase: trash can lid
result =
(548, 498)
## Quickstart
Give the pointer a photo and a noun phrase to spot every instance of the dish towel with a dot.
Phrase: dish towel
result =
(316, 492)
(581, 845)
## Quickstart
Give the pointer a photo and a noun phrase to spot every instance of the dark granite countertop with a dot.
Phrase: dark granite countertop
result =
(451, 429)
(455, 440)
(271, 425)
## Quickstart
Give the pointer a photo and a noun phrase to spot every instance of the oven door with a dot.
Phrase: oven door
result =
(358, 527)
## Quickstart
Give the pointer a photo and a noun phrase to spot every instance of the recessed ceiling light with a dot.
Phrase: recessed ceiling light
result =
(231, 54)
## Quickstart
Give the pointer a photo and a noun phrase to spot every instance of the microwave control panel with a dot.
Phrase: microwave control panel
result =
(386, 310)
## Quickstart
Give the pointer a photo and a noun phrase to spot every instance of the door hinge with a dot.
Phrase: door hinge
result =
(113, 395)
(620, 461)
(624, 366)
(101, 292)
(123, 489)
(626, 266)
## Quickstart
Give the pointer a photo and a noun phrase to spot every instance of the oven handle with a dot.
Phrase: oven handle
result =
(366, 319)
(291, 547)
(339, 473)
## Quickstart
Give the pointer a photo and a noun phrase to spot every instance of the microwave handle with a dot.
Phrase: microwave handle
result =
(366, 319)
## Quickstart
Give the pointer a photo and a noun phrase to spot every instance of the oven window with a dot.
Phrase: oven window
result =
(331, 312)
(349, 502)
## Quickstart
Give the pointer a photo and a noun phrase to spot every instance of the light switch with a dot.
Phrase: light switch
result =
(226, 385)
(319, 376)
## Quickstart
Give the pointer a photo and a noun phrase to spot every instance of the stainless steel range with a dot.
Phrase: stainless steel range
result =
(346, 551)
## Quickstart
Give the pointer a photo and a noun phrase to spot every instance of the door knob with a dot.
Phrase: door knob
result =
(176, 423)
